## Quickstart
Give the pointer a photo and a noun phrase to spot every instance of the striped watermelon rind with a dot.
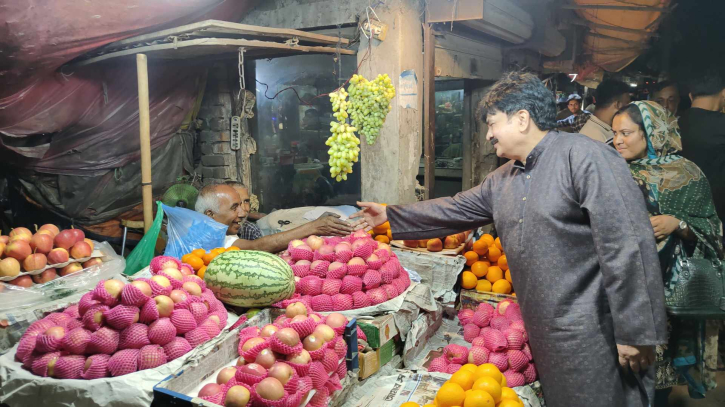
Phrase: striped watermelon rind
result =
(249, 278)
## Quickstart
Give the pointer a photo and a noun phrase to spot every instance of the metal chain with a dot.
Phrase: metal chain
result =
(242, 82)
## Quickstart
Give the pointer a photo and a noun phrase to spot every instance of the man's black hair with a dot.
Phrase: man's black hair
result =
(707, 83)
(516, 91)
(609, 91)
(664, 84)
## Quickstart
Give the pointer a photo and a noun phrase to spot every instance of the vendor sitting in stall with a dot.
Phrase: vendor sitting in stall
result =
(223, 204)
(249, 229)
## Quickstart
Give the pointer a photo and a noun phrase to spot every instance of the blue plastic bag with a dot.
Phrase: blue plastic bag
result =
(189, 230)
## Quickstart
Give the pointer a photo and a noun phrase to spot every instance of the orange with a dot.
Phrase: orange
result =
(195, 262)
(503, 262)
(479, 398)
(471, 257)
(479, 268)
(508, 394)
(501, 287)
(486, 262)
(382, 229)
(199, 253)
(209, 257)
(494, 253)
(503, 381)
(232, 248)
(489, 370)
(484, 286)
(410, 404)
(450, 395)
(481, 247)
(507, 276)
(488, 239)
(490, 386)
(463, 378)
(494, 274)
(389, 234)
(470, 367)
(219, 250)
(497, 242)
(382, 238)
(468, 280)
(371, 232)
(201, 272)
(508, 403)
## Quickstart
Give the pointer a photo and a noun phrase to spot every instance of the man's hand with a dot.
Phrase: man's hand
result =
(331, 225)
(664, 225)
(636, 357)
(371, 215)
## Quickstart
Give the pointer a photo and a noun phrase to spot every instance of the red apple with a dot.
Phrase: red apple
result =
(178, 296)
(58, 256)
(65, 239)
(90, 243)
(315, 242)
(288, 336)
(192, 288)
(92, 262)
(70, 269)
(241, 361)
(254, 369)
(45, 276)
(295, 309)
(324, 332)
(296, 243)
(20, 238)
(18, 250)
(9, 267)
(78, 234)
(113, 287)
(225, 375)
(161, 280)
(143, 286)
(336, 320)
(237, 396)
(21, 231)
(4, 239)
(51, 228)
(80, 250)
(209, 390)
(22, 281)
(165, 305)
(57, 332)
(313, 342)
(34, 262)
(266, 358)
(173, 273)
(342, 247)
(270, 389)
(301, 358)
(267, 331)
(41, 243)
(282, 372)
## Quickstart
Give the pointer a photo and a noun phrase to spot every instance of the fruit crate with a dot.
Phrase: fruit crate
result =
(471, 298)
(181, 388)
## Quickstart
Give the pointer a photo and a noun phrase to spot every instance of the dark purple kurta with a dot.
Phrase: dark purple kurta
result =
(579, 242)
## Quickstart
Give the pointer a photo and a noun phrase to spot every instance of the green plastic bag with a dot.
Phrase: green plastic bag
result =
(142, 254)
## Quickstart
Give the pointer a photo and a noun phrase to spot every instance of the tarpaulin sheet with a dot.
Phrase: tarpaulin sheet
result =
(84, 121)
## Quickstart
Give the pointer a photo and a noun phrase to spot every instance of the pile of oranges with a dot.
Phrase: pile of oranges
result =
(487, 268)
(198, 259)
(382, 233)
(474, 386)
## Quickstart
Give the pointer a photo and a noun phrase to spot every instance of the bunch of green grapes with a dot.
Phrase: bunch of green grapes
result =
(344, 150)
(370, 103)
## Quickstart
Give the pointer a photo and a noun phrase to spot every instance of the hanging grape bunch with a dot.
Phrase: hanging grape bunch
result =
(343, 144)
(370, 104)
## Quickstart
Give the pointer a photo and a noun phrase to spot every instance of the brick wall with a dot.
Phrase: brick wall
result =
(218, 161)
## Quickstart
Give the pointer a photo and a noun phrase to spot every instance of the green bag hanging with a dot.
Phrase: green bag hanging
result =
(142, 254)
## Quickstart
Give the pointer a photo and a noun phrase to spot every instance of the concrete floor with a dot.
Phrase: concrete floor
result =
(715, 398)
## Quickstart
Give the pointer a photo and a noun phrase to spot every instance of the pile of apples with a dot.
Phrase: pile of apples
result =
(24, 252)
(498, 337)
(118, 328)
(438, 244)
(282, 362)
(343, 273)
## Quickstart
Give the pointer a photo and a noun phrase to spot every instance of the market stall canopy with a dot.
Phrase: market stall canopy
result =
(214, 37)
(618, 30)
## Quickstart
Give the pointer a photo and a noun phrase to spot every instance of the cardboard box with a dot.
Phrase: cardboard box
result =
(380, 330)
(372, 361)
(471, 298)
(433, 321)
(180, 389)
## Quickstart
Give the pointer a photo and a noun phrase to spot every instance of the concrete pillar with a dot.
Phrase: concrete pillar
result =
(389, 167)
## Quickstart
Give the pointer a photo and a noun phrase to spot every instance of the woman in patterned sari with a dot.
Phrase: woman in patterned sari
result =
(683, 216)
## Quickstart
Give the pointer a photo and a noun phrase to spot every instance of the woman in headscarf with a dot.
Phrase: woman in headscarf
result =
(682, 214)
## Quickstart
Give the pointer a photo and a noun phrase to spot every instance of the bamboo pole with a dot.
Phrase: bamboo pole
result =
(145, 138)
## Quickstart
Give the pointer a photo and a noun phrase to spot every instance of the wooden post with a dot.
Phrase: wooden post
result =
(429, 110)
(145, 138)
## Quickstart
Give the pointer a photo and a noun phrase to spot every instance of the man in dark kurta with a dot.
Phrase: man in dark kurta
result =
(578, 241)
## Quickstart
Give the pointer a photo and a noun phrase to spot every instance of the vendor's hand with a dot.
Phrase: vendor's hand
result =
(636, 357)
(371, 215)
(664, 225)
(331, 225)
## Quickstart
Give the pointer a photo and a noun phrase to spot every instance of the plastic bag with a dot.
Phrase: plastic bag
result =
(142, 254)
(189, 230)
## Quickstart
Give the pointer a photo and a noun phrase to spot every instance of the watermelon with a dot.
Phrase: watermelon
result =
(249, 278)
